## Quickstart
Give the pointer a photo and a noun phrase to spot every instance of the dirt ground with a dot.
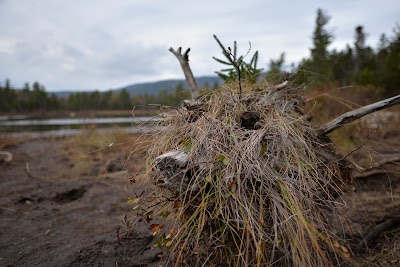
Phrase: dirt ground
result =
(57, 216)
(54, 214)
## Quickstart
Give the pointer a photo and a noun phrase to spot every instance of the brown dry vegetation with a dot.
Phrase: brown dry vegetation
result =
(197, 206)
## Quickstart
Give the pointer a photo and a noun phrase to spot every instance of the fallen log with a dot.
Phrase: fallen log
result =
(353, 115)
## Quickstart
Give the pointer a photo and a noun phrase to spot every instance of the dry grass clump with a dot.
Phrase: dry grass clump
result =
(257, 185)
(93, 151)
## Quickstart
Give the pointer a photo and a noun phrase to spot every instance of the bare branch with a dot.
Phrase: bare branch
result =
(184, 61)
(372, 170)
(281, 85)
(358, 113)
(377, 231)
(384, 162)
(6, 156)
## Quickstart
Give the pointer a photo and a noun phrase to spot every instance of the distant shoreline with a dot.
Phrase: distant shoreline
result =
(71, 132)
(78, 113)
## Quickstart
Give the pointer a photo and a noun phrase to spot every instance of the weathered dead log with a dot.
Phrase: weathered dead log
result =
(358, 113)
(170, 170)
(184, 61)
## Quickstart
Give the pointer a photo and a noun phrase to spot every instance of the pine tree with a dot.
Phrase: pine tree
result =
(238, 68)
(322, 38)
(275, 69)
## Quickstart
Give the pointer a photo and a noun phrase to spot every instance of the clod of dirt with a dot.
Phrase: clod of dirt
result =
(69, 195)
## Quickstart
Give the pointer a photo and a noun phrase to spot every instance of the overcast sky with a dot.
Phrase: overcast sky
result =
(99, 44)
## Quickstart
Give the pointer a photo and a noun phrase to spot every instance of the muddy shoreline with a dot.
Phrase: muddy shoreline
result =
(55, 216)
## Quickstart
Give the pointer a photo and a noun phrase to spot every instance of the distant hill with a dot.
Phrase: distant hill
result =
(152, 88)
(155, 87)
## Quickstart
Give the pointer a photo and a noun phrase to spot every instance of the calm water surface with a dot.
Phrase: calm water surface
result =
(70, 126)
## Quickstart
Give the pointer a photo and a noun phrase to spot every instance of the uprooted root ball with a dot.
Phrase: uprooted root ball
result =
(251, 181)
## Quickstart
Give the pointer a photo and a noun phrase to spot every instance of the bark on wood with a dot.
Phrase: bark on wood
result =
(170, 170)
(358, 113)
(184, 61)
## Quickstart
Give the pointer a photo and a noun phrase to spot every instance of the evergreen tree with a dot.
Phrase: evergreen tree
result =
(317, 69)
(238, 69)
(124, 100)
(389, 74)
(322, 38)
(275, 71)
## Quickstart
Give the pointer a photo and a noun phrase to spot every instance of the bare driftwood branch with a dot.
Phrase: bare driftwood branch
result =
(184, 61)
(374, 170)
(281, 85)
(358, 113)
(6, 156)
(384, 162)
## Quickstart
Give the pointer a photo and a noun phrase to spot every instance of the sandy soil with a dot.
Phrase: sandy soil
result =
(56, 216)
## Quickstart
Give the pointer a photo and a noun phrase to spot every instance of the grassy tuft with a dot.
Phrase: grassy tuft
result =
(259, 187)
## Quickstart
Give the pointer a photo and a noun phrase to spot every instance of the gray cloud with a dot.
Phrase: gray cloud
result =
(103, 44)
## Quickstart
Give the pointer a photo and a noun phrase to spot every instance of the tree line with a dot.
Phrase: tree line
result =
(356, 64)
(28, 99)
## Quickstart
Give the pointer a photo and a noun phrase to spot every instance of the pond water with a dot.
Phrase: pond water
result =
(70, 126)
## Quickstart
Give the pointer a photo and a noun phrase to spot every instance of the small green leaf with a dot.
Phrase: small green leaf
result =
(208, 178)
(229, 122)
(225, 161)
(187, 143)
(136, 208)
(187, 148)
(220, 158)
(131, 201)
(165, 213)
